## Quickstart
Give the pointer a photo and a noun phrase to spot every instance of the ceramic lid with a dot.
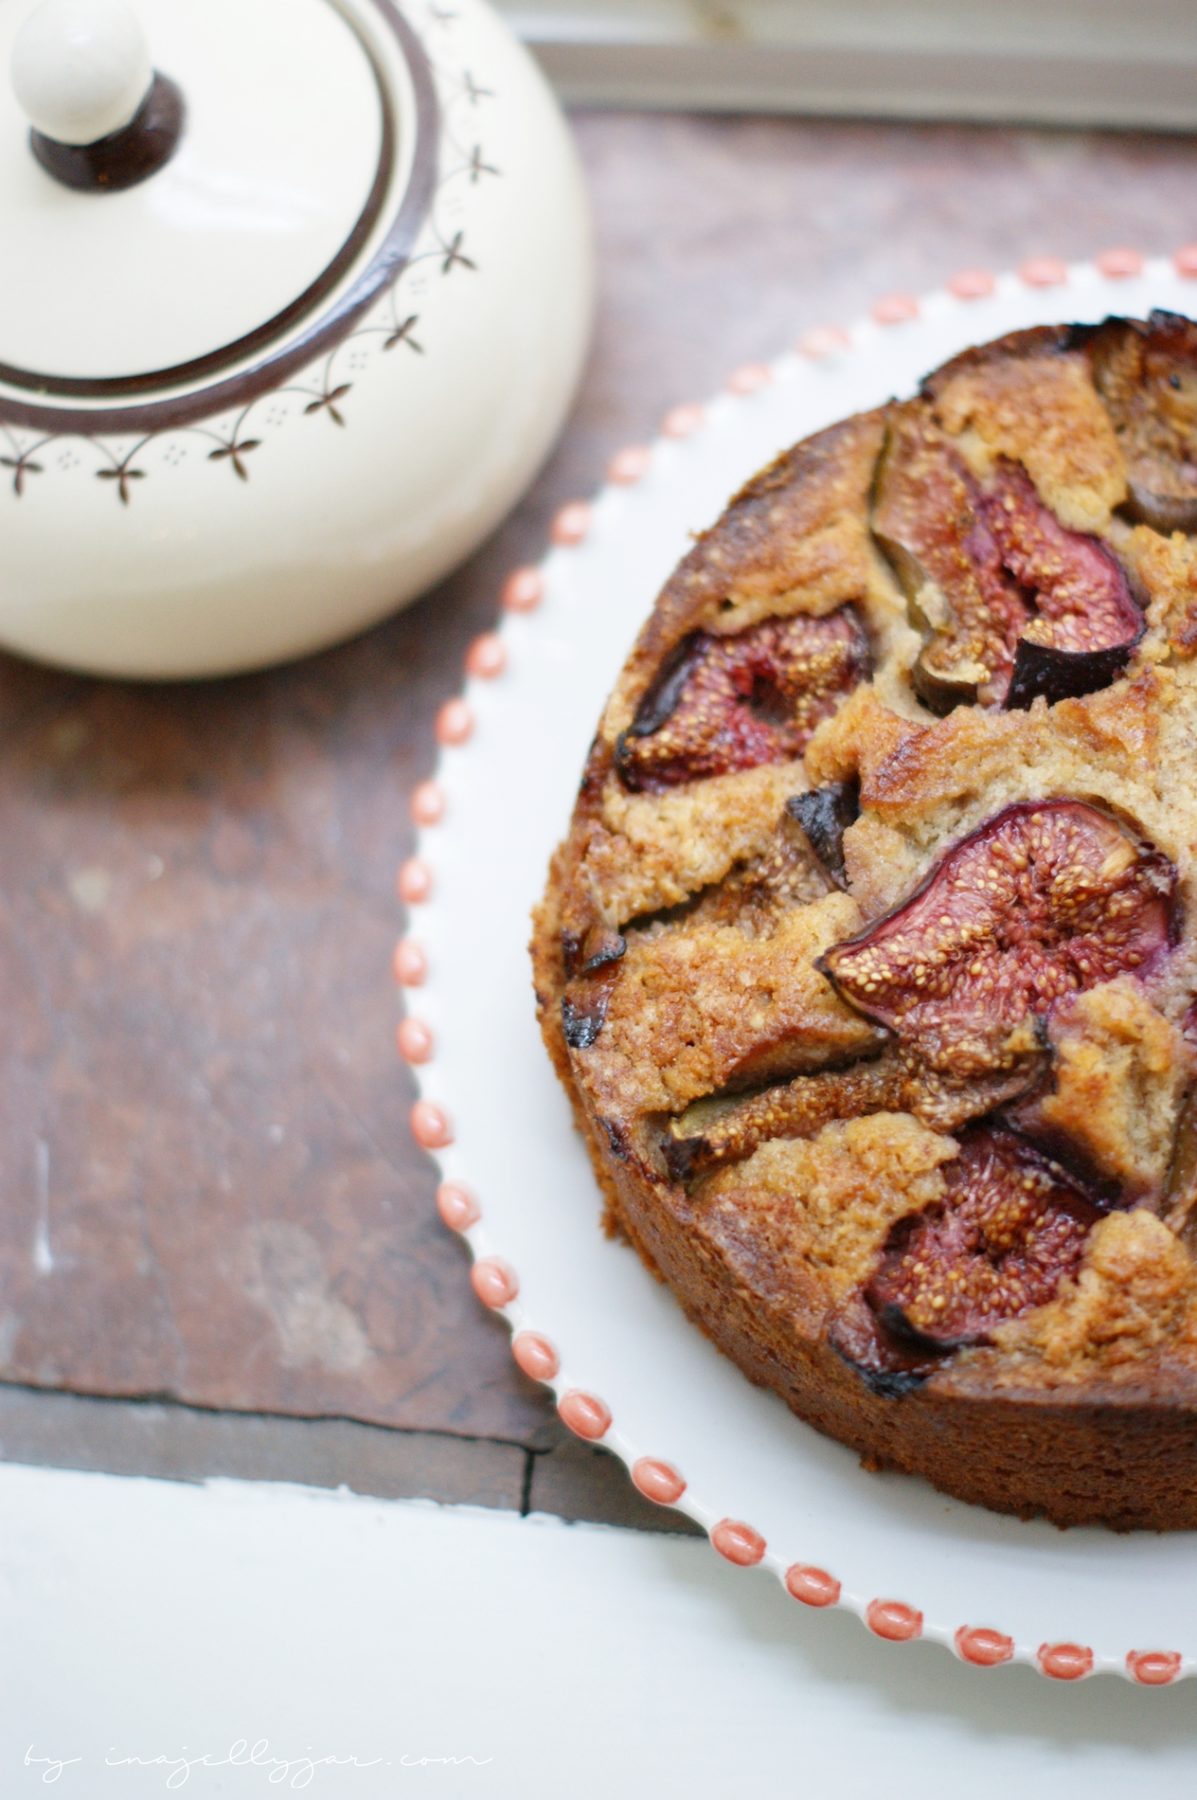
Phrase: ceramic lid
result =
(184, 183)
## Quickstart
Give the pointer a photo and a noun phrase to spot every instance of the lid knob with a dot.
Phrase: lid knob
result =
(81, 69)
(100, 116)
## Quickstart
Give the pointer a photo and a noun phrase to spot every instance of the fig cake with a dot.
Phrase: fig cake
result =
(869, 961)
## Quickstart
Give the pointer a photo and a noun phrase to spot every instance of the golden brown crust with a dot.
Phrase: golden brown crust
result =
(680, 963)
(1043, 411)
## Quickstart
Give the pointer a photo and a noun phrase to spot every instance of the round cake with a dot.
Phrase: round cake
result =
(869, 958)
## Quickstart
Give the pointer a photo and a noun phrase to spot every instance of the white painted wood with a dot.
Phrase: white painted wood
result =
(1089, 62)
(152, 1620)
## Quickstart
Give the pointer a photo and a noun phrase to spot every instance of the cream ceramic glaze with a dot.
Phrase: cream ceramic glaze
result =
(257, 401)
(81, 68)
(236, 225)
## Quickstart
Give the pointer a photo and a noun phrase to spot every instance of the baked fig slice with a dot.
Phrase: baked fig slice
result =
(1083, 621)
(727, 1128)
(726, 703)
(1010, 1227)
(1014, 605)
(927, 520)
(594, 948)
(591, 960)
(582, 1019)
(1147, 377)
(825, 814)
(1044, 900)
(1180, 1197)
(888, 1363)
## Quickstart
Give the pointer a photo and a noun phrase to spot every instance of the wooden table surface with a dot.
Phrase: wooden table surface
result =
(218, 1248)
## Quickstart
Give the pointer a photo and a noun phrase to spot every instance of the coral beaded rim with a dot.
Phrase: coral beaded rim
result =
(974, 305)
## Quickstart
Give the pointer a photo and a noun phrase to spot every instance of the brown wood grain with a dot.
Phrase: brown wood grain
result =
(207, 1189)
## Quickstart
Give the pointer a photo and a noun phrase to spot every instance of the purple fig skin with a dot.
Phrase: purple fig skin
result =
(1163, 512)
(1179, 1206)
(1146, 374)
(582, 952)
(592, 964)
(1083, 620)
(825, 814)
(660, 702)
(1039, 669)
(886, 1363)
(602, 946)
(941, 694)
(582, 1024)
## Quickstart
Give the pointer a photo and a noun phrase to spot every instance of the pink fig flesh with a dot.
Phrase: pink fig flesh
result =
(1046, 899)
(1082, 621)
(1012, 1225)
(927, 519)
(727, 703)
